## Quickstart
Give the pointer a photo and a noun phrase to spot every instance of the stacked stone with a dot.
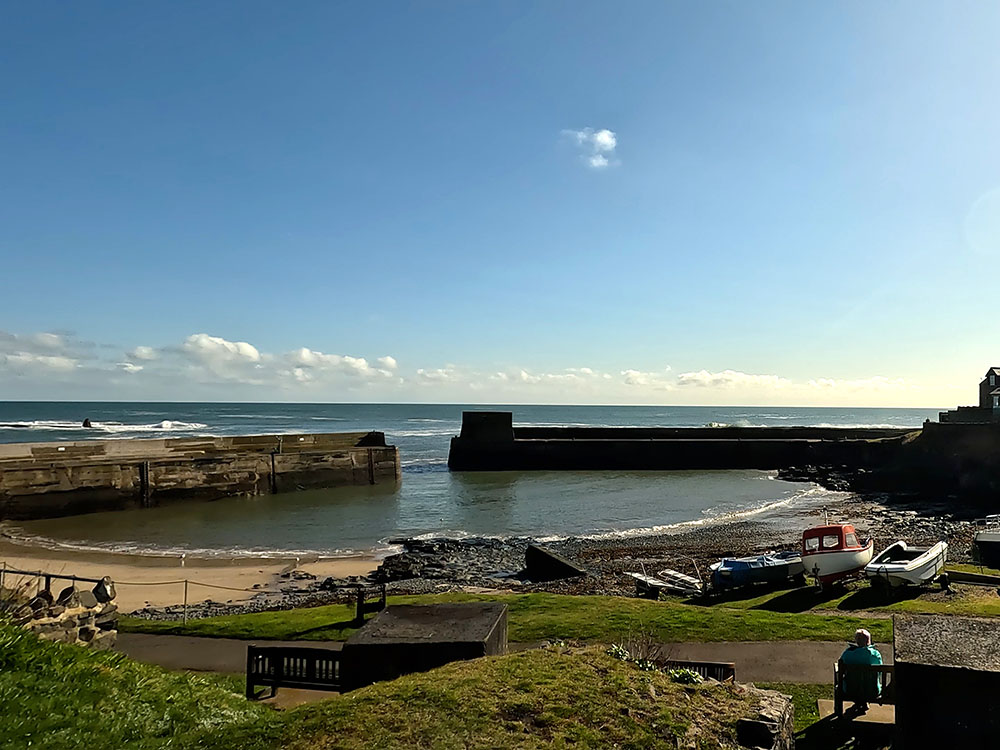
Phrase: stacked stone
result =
(86, 618)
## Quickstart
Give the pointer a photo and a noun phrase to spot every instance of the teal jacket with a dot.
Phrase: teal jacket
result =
(861, 687)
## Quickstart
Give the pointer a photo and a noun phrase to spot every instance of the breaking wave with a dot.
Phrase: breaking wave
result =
(419, 433)
(812, 495)
(14, 535)
(111, 428)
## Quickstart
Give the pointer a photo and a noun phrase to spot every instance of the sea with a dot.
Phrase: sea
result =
(430, 501)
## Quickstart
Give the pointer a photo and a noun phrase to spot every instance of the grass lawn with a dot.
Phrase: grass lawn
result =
(535, 617)
(969, 568)
(58, 696)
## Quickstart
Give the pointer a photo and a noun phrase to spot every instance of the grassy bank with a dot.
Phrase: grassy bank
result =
(57, 696)
(535, 617)
(540, 698)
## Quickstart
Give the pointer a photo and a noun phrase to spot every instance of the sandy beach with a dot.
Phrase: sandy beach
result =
(159, 581)
(216, 586)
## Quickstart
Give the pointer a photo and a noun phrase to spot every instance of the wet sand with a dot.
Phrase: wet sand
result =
(159, 581)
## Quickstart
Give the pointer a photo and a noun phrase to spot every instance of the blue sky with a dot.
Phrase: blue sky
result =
(388, 201)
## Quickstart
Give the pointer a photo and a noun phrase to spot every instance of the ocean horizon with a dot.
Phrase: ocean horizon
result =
(430, 500)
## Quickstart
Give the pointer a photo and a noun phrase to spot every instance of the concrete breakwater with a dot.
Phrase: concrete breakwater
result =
(490, 442)
(45, 480)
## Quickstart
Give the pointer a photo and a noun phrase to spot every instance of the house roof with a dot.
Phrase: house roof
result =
(993, 371)
(995, 392)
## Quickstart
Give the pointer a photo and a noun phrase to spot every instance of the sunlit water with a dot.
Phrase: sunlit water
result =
(429, 500)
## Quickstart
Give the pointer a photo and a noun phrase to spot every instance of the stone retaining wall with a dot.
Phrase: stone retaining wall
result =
(84, 617)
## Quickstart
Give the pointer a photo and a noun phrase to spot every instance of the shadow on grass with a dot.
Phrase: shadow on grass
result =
(877, 596)
(343, 625)
(739, 594)
(809, 597)
(801, 599)
(837, 734)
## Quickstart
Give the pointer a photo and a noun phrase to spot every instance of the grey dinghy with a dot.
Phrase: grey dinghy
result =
(900, 564)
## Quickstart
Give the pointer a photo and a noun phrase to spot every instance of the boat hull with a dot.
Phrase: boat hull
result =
(913, 572)
(835, 565)
(746, 571)
(988, 546)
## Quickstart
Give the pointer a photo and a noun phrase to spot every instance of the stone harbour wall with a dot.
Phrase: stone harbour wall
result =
(490, 442)
(46, 480)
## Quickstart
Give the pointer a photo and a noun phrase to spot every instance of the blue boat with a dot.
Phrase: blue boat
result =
(734, 572)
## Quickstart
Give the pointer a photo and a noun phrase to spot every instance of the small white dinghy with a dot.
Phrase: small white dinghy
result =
(900, 564)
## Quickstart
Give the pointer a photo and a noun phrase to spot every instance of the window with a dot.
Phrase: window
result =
(831, 541)
(993, 380)
(851, 540)
(812, 544)
(996, 401)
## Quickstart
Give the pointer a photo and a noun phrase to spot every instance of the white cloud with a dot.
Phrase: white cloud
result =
(216, 349)
(655, 380)
(143, 353)
(570, 376)
(23, 361)
(305, 358)
(730, 379)
(48, 340)
(446, 374)
(604, 140)
(203, 366)
(597, 147)
(43, 343)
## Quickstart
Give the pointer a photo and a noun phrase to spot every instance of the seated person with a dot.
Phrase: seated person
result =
(861, 688)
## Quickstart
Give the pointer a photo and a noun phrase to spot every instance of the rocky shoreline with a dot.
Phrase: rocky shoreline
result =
(490, 564)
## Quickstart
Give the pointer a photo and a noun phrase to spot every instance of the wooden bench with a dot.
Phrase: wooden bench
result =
(292, 666)
(860, 672)
(303, 667)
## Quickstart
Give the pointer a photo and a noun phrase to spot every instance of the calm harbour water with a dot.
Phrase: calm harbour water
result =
(430, 500)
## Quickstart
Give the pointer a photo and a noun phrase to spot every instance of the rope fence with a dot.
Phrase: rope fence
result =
(49, 577)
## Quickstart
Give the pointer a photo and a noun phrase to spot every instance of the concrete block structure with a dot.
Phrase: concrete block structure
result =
(947, 682)
(406, 638)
